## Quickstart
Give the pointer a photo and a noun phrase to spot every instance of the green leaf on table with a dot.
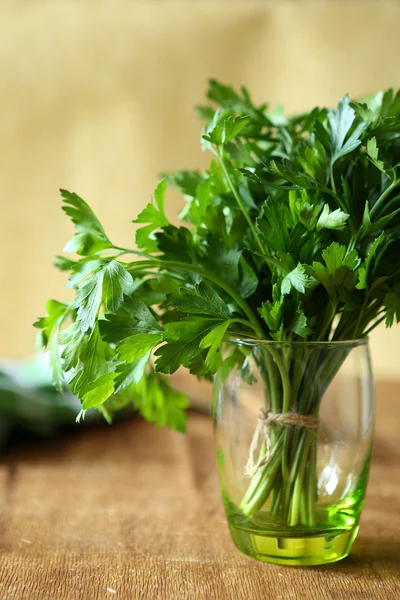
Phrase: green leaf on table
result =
(91, 237)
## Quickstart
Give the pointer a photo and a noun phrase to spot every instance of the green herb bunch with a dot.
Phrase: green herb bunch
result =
(293, 233)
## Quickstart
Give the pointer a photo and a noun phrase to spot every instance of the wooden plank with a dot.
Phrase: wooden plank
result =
(129, 511)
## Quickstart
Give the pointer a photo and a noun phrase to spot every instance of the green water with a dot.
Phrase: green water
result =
(272, 540)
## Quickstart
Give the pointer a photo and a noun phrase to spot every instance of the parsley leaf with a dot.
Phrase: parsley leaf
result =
(133, 317)
(63, 263)
(373, 153)
(299, 324)
(213, 341)
(297, 279)
(132, 371)
(294, 234)
(344, 140)
(133, 353)
(100, 391)
(108, 283)
(226, 130)
(339, 269)
(91, 237)
(392, 304)
(332, 220)
(75, 341)
(116, 282)
(159, 403)
(272, 313)
(363, 272)
(156, 219)
(94, 362)
(48, 337)
(56, 313)
(183, 342)
(336, 256)
(201, 300)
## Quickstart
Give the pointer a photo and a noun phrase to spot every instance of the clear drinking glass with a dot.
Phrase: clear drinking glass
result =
(294, 431)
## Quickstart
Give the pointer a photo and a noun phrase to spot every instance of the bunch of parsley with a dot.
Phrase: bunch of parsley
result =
(292, 233)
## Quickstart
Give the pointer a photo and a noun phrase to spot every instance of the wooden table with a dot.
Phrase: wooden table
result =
(129, 511)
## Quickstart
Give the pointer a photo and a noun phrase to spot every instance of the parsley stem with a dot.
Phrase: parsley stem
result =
(298, 475)
(247, 324)
(286, 392)
(130, 251)
(240, 203)
(360, 315)
(383, 196)
(273, 262)
(332, 178)
(165, 264)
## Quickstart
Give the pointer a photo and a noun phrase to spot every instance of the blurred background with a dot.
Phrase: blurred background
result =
(97, 97)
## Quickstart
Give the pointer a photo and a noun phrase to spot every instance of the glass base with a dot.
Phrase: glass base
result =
(294, 551)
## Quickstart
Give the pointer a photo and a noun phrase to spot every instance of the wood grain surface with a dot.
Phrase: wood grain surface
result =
(129, 511)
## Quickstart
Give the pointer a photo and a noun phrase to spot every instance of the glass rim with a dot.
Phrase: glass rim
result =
(248, 341)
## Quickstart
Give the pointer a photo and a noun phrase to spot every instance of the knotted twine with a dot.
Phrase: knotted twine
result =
(266, 419)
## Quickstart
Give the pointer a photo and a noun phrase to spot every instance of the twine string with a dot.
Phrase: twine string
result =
(266, 419)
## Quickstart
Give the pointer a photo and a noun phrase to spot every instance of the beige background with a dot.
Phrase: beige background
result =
(97, 97)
